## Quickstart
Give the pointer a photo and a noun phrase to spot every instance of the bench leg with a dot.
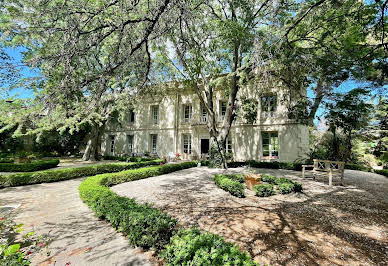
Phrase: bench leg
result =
(303, 172)
(330, 178)
(342, 180)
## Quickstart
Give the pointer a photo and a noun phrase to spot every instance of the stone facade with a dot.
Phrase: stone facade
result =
(176, 123)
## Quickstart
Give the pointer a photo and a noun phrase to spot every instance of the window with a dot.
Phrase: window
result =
(131, 116)
(268, 103)
(112, 144)
(154, 143)
(187, 113)
(155, 114)
(130, 143)
(203, 114)
(229, 145)
(270, 144)
(222, 108)
(187, 144)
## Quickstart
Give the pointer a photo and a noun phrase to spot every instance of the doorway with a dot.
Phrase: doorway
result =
(204, 146)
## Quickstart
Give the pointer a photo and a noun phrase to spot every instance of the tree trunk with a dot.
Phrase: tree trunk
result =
(335, 144)
(93, 146)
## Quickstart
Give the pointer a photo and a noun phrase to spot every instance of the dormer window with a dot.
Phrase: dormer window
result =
(268, 103)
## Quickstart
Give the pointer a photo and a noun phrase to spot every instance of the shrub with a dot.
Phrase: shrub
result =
(269, 165)
(193, 247)
(128, 158)
(282, 180)
(233, 187)
(269, 179)
(144, 226)
(297, 187)
(357, 167)
(70, 173)
(237, 177)
(382, 172)
(264, 190)
(286, 188)
(28, 167)
(6, 160)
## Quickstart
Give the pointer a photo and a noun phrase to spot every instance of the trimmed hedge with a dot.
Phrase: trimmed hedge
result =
(357, 167)
(382, 172)
(28, 167)
(268, 165)
(193, 247)
(228, 184)
(237, 177)
(6, 160)
(268, 178)
(143, 225)
(70, 173)
(264, 190)
(128, 159)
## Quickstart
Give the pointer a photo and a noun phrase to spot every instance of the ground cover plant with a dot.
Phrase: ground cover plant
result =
(231, 183)
(29, 166)
(193, 247)
(283, 186)
(264, 190)
(70, 173)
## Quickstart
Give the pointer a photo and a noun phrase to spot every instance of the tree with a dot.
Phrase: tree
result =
(349, 113)
(89, 53)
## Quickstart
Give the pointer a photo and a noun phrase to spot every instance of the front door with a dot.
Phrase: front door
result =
(204, 146)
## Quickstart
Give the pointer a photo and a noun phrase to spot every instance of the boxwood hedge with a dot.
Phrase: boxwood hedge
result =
(382, 172)
(143, 225)
(70, 173)
(28, 167)
(229, 184)
(264, 190)
(193, 247)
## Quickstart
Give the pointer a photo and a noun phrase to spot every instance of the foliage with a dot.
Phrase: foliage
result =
(15, 248)
(143, 225)
(297, 186)
(28, 167)
(249, 110)
(264, 190)
(215, 158)
(271, 165)
(282, 180)
(382, 172)
(128, 159)
(70, 173)
(193, 247)
(237, 177)
(268, 178)
(357, 167)
(286, 188)
(234, 187)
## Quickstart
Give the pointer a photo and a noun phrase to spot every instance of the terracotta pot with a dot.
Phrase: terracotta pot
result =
(252, 180)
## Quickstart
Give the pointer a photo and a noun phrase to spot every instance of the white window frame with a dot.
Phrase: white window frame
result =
(112, 144)
(269, 103)
(203, 114)
(271, 148)
(154, 143)
(222, 114)
(187, 112)
(186, 143)
(155, 114)
(229, 145)
(131, 142)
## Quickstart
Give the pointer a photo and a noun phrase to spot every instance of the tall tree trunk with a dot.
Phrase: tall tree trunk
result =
(93, 146)
(319, 92)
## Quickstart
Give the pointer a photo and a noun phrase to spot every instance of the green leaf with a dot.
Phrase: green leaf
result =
(12, 250)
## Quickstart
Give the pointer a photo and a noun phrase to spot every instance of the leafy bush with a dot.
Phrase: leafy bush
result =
(28, 167)
(144, 226)
(269, 179)
(264, 190)
(6, 160)
(193, 247)
(237, 177)
(70, 173)
(357, 167)
(128, 158)
(297, 186)
(282, 180)
(382, 172)
(232, 186)
(286, 188)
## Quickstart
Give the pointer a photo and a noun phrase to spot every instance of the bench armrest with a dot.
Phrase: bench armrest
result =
(306, 165)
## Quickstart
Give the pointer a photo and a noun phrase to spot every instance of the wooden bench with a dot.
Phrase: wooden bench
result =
(325, 168)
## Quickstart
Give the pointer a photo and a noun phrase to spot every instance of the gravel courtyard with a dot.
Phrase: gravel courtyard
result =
(321, 226)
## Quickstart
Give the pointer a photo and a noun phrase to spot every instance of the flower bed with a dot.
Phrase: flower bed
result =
(70, 173)
(284, 186)
(231, 183)
(28, 167)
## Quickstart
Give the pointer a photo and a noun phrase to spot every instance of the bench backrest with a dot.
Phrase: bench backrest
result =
(325, 165)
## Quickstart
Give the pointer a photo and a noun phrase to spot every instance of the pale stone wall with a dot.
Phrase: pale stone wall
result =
(246, 138)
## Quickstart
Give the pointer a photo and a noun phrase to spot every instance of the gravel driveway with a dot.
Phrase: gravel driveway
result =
(78, 236)
(321, 226)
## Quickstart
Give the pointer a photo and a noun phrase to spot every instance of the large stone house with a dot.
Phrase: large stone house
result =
(176, 123)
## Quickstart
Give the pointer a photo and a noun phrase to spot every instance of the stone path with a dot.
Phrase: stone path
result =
(339, 225)
(78, 236)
